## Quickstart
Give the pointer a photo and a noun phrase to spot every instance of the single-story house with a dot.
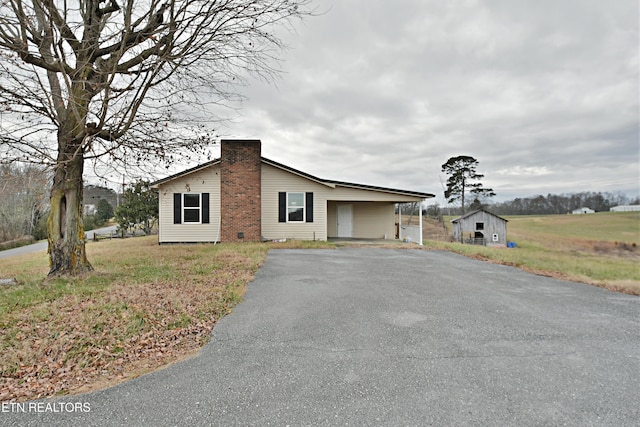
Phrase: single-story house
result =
(243, 196)
(480, 227)
(583, 211)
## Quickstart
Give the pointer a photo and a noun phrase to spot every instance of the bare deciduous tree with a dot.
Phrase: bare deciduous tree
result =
(124, 81)
(22, 200)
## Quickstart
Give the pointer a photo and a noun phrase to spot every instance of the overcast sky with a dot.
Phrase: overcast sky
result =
(544, 94)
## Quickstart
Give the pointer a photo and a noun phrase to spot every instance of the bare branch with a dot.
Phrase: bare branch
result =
(123, 82)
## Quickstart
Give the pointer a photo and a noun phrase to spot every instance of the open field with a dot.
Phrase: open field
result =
(620, 227)
(601, 249)
(144, 307)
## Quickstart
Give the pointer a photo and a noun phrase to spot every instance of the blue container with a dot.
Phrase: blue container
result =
(511, 244)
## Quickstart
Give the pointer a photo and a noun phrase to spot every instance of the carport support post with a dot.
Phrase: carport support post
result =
(420, 220)
(400, 221)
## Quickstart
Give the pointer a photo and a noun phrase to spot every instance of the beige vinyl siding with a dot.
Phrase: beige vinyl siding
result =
(371, 220)
(203, 181)
(341, 193)
(332, 219)
(373, 211)
(275, 180)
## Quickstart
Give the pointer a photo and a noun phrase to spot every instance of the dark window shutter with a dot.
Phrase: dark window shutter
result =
(177, 208)
(282, 206)
(205, 208)
(309, 207)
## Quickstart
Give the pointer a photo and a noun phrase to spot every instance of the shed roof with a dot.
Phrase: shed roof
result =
(468, 214)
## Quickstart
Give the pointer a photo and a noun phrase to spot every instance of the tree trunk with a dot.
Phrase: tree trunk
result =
(67, 255)
(462, 194)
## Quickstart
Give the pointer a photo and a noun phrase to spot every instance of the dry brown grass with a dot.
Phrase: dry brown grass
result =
(432, 229)
(599, 249)
(147, 306)
(631, 287)
(22, 241)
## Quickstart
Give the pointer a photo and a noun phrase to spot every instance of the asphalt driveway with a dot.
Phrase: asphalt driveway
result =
(390, 337)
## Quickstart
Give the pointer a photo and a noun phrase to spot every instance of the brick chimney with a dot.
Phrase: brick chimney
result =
(240, 190)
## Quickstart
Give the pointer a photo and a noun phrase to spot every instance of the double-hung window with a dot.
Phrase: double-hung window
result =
(191, 208)
(295, 207)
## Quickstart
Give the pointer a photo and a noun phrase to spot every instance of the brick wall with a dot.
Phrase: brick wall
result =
(240, 191)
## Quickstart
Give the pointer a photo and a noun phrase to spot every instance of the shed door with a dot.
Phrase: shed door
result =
(345, 220)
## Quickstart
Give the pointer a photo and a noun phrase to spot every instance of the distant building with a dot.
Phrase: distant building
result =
(583, 211)
(92, 195)
(90, 209)
(480, 227)
(627, 208)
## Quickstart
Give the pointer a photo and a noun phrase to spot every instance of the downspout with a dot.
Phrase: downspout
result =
(219, 226)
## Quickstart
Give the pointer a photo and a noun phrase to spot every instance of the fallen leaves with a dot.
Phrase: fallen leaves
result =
(74, 357)
(78, 343)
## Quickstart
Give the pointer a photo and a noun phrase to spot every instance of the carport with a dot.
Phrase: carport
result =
(372, 219)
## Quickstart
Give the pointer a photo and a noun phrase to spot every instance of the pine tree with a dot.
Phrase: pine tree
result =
(463, 179)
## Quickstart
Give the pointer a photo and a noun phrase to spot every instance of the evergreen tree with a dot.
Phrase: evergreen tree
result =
(139, 208)
(463, 179)
(104, 211)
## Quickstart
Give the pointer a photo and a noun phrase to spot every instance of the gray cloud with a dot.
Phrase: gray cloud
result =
(544, 94)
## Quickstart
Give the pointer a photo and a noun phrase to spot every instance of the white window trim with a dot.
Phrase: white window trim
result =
(304, 206)
(185, 208)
